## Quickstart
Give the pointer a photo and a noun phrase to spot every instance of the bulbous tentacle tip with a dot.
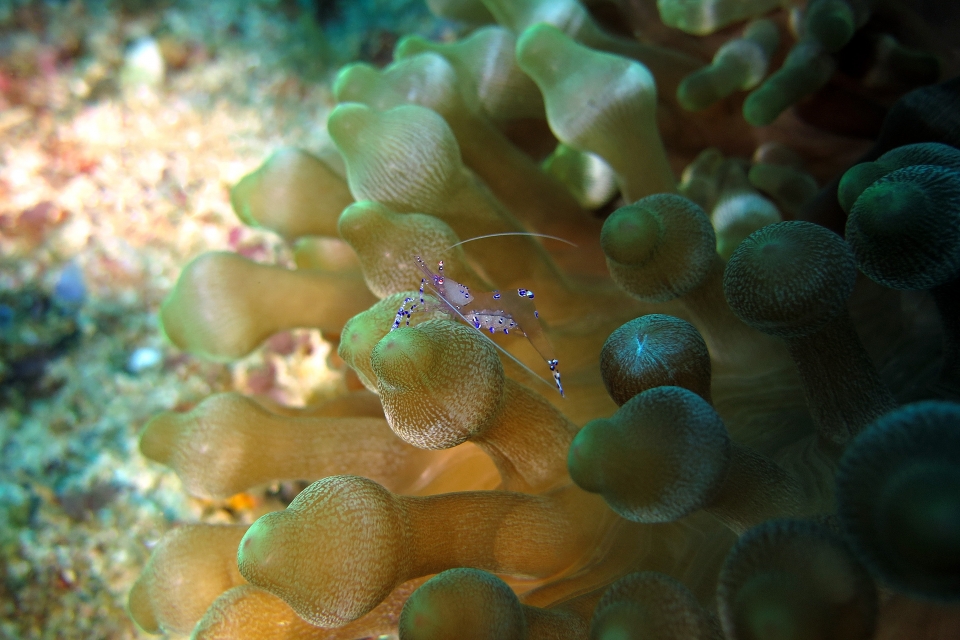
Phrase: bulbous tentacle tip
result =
(140, 609)
(463, 603)
(293, 193)
(157, 441)
(189, 567)
(362, 332)
(246, 612)
(254, 552)
(585, 457)
(652, 351)
(898, 489)
(708, 16)
(405, 157)
(831, 22)
(536, 43)
(806, 69)
(224, 305)
(631, 235)
(863, 175)
(411, 45)
(598, 102)
(663, 455)
(921, 153)
(855, 180)
(697, 91)
(794, 579)
(441, 382)
(905, 228)
(353, 81)
(426, 79)
(357, 220)
(403, 358)
(660, 247)
(757, 110)
(346, 122)
(790, 279)
(375, 233)
(739, 64)
(361, 557)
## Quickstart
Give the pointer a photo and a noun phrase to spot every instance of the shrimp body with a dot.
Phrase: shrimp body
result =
(491, 312)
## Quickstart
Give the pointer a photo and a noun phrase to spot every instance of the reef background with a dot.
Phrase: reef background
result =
(109, 182)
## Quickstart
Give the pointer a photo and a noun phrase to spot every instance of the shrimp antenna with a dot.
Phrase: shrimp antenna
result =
(512, 233)
(499, 348)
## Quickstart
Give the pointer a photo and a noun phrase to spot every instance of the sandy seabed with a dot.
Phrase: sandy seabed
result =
(127, 186)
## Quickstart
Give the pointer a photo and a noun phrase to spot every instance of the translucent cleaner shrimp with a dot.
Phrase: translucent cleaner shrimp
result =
(487, 311)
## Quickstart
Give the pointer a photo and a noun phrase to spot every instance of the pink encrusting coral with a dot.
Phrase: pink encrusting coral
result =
(739, 375)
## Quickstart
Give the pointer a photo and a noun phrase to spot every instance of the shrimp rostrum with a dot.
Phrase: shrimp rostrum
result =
(487, 311)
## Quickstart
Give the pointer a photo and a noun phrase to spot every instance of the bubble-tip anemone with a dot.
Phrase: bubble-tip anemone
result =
(595, 519)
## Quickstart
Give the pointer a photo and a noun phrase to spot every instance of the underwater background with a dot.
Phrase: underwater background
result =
(124, 126)
(108, 187)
